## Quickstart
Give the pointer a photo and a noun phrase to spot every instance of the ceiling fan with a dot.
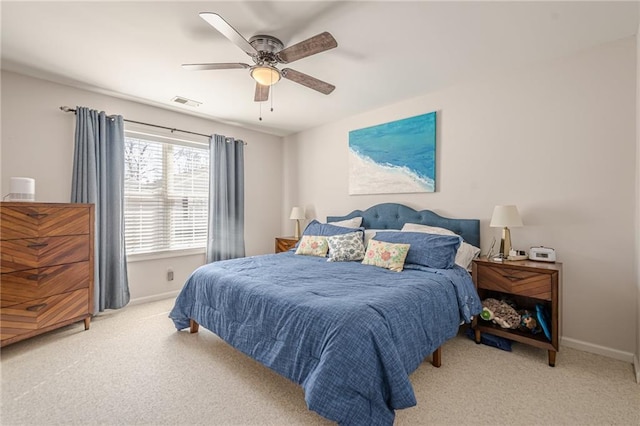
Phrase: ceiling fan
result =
(267, 51)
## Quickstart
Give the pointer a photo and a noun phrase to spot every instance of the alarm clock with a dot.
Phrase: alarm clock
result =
(543, 254)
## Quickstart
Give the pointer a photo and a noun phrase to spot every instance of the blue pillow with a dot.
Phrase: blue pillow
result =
(326, 229)
(431, 250)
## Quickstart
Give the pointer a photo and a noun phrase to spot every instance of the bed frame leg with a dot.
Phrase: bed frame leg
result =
(193, 326)
(436, 357)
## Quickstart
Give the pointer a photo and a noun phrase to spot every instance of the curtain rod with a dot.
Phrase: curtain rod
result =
(67, 109)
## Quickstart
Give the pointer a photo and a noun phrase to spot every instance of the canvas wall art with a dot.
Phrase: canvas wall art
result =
(394, 157)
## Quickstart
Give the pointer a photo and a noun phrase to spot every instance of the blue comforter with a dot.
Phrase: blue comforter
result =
(350, 334)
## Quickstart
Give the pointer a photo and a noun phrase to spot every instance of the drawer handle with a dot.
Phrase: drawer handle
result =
(37, 245)
(512, 277)
(36, 308)
(36, 277)
(34, 215)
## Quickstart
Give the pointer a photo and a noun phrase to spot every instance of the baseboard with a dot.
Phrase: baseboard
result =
(599, 350)
(636, 367)
(154, 298)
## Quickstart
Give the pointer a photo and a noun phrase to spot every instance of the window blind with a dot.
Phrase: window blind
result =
(166, 188)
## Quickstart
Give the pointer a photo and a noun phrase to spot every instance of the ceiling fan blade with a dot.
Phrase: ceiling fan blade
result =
(262, 93)
(228, 31)
(308, 47)
(219, 66)
(307, 80)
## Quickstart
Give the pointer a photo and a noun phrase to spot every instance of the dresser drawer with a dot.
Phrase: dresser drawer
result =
(41, 313)
(19, 255)
(23, 286)
(38, 221)
(514, 281)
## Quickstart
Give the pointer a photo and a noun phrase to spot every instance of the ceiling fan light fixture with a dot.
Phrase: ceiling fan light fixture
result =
(265, 75)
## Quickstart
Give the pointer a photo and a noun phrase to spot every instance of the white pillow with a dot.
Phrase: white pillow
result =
(354, 222)
(465, 255)
(416, 227)
(466, 252)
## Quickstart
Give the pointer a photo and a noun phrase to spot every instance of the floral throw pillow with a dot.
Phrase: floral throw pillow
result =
(313, 245)
(345, 247)
(386, 255)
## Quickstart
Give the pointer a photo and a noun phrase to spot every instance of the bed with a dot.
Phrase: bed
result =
(349, 333)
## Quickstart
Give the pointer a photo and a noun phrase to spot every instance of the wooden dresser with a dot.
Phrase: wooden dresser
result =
(47, 267)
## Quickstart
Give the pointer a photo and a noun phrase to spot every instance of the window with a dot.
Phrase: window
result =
(166, 188)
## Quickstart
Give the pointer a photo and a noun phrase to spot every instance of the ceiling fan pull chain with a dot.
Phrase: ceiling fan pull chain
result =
(260, 118)
(273, 91)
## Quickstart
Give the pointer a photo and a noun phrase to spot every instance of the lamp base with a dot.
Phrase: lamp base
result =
(297, 233)
(505, 243)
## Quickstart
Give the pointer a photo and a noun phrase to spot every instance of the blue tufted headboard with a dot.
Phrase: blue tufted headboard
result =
(394, 216)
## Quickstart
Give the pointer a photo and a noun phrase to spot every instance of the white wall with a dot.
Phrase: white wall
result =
(37, 141)
(637, 228)
(556, 139)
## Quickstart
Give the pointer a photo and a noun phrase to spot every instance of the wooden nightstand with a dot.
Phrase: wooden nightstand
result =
(285, 243)
(527, 283)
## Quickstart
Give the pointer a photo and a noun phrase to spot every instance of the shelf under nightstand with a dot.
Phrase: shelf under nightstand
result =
(527, 283)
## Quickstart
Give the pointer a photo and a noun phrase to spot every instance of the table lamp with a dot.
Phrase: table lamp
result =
(505, 217)
(297, 213)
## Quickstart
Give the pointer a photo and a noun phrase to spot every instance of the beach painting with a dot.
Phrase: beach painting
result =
(394, 157)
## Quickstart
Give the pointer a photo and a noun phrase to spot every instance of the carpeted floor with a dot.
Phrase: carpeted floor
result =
(132, 368)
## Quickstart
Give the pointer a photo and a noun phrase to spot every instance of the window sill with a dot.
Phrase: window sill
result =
(164, 255)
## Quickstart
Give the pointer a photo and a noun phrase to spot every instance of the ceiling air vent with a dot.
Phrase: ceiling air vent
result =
(185, 101)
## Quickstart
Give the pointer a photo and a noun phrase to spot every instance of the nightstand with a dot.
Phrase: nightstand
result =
(285, 243)
(527, 283)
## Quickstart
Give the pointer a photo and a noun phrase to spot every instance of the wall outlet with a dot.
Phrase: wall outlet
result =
(169, 274)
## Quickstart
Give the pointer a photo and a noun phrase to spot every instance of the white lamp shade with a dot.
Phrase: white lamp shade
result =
(505, 216)
(297, 213)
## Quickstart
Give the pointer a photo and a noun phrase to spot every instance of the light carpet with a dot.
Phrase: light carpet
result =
(133, 368)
